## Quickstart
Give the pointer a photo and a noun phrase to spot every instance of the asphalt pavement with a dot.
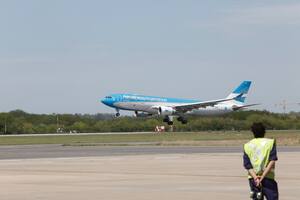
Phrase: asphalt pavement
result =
(60, 151)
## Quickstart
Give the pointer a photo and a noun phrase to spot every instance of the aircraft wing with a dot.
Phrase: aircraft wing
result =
(188, 107)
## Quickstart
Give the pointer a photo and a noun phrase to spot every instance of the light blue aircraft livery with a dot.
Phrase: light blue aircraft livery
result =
(169, 108)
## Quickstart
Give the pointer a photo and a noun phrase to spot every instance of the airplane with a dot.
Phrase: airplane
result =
(145, 106)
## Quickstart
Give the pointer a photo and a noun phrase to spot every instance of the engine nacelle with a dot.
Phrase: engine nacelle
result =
(163, 110)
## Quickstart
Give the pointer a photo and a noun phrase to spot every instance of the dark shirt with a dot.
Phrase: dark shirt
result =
(247, 162)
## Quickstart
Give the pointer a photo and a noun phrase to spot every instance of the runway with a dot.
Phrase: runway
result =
(60, 151)
(79, 134)
(140, 177)
(134, 172)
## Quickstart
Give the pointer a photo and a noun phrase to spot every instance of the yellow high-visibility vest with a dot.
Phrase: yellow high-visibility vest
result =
(258, 151)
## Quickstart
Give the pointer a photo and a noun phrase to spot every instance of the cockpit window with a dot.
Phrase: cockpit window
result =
(108, 97)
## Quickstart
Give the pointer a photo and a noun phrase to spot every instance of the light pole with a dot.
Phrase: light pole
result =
(5, 126)
(57, 124)
(5, 123)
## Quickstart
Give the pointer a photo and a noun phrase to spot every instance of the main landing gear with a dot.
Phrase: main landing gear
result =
(182, 120)
(169, 120)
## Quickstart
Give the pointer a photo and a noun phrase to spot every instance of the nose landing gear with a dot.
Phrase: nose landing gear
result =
(118, 113)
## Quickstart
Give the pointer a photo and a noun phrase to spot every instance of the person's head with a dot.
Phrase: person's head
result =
(258, 130)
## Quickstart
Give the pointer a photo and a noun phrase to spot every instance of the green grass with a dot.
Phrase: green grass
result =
(284, 137)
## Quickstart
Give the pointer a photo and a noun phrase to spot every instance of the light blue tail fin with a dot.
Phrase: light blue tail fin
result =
(241, 91)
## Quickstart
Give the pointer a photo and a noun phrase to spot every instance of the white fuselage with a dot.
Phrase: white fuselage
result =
(149, 107)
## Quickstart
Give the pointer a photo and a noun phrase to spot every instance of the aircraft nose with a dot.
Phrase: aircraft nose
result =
(108, 100)
(103, 101)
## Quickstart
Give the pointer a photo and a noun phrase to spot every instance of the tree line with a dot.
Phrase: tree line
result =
(20, 122)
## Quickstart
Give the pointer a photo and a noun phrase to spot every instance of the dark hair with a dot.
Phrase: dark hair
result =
(258, 130)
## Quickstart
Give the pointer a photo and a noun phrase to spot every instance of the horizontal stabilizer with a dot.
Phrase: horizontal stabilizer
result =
(235, 108)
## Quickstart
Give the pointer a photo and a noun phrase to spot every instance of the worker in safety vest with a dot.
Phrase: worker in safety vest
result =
(259, 160)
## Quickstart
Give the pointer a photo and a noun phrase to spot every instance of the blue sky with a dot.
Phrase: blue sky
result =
(61, 56)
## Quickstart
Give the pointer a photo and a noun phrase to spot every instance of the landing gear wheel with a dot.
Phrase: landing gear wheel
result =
(170, 123)
(182, 120)
(117, 112)
(166, 119)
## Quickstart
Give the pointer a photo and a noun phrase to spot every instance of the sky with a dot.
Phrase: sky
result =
(62, 56)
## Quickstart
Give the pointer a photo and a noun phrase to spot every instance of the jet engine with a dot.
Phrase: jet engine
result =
(164, 111)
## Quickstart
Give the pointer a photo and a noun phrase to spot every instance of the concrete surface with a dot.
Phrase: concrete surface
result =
(59, 151)
(139, 177)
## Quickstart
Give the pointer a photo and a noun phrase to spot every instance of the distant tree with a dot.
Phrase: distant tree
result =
(28, 128)
(79, 127)
(19, 122)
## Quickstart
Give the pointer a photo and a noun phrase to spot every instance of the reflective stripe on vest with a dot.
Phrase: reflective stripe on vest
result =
(258, 151)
